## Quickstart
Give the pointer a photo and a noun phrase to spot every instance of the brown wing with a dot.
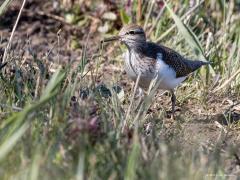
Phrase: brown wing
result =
(181, 65)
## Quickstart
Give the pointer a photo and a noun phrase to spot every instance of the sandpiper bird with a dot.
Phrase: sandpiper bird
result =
(150, 60)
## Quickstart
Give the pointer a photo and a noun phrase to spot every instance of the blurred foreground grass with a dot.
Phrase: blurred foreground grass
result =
(52, 129)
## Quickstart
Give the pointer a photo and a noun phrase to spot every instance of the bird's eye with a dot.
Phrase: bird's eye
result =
(130, 32)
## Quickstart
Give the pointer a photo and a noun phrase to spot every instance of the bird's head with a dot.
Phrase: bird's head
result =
(131, 35)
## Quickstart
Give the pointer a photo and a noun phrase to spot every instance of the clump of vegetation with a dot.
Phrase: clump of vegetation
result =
(68, 111)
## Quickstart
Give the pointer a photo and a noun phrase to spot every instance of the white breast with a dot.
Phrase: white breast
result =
(167, 75)
(127, 65)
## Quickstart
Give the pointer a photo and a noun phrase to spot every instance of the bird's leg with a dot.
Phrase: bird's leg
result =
(173, 99)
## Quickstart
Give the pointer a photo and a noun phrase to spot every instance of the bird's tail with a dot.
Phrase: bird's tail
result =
(205, 62)
(197, 64)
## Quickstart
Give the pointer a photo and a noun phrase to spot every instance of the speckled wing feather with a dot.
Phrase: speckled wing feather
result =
(182, 66)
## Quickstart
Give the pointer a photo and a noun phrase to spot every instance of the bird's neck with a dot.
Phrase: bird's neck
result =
(137, 47)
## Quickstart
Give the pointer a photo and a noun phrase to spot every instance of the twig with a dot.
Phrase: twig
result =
(12, 33)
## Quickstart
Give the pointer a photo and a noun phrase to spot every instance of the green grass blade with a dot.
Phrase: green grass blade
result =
(189, 36)
(4, 6)
(34, 172)
(187, 33)
(53, 83)
(16, 124)
(124, 17)
(8, 144)
(133, 159)
(80, 167)
(47, 94)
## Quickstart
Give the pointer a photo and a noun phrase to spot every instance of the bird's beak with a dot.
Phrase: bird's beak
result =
(114, 38)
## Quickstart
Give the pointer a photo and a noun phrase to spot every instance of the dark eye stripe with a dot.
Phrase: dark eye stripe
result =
(135, 32)
(139, 32)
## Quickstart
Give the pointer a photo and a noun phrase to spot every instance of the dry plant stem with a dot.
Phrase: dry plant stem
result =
(37, 86)
(15, 108)
(184, 16)
(139, 11)
(214, 48)
(157, 20)
(98, 62)
(227, 81)
(149, 13)
(146, 101)
(131, 102)
(220, 126)
(58, 47)
(12, 33)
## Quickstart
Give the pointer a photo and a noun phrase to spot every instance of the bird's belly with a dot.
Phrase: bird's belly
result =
(164, 82)
(166, 76)
(168, 83)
